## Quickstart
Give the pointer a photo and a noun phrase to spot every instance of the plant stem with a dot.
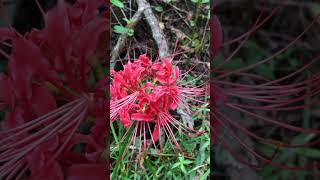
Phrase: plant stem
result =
(114, 133)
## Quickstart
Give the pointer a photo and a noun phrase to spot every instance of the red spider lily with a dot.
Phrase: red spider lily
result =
(144, 93)
(255, 101)
(47, 97)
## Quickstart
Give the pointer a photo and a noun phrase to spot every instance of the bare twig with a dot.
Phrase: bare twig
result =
(155, 28)
(123, 37)
(145, 8)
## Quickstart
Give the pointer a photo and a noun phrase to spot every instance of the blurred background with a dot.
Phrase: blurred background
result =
(237, 17)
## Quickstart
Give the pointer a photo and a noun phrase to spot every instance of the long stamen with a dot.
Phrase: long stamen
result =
(255, 136)
(11, 155)
(278, 123)
(154, 144)
(75, 123)
(42, 131)
(272, 56)
(40, 120)
(239, 46)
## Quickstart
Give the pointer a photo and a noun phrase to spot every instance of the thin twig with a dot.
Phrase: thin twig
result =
(123, 37)
(155, 28)
(145, 8)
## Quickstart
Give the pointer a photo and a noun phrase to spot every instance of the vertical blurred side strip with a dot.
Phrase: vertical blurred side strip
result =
(107, 75)
(216, 40)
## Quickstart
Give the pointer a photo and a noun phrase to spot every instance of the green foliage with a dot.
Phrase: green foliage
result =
(117, 3)
(201, 1)
(121, 30)
(159, 8)
(287, 156)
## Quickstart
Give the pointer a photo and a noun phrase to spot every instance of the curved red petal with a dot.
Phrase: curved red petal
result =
(142, 117)
(216, 36)
(42, 101)
(87, 171)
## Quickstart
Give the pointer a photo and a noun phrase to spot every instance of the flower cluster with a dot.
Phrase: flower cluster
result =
(255, 97)
(49, 100)
(147, 93)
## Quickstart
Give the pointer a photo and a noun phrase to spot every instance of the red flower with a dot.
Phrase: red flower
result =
(48, 97)
(145, 93)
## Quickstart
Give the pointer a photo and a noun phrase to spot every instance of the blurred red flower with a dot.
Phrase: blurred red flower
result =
(256, 100)
(49, 100)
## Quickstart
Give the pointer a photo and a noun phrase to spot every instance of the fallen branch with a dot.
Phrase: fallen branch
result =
(145, 8)
(123, 37)
(155, 28)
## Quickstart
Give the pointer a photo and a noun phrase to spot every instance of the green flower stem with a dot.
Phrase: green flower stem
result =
(114, 133)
